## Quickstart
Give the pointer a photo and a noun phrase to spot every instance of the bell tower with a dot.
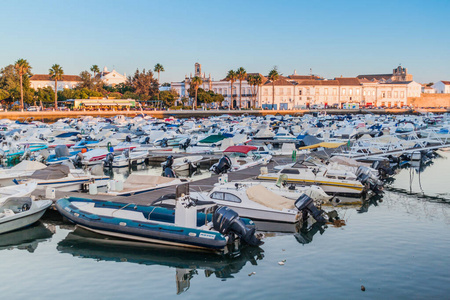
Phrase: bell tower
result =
(198, 70)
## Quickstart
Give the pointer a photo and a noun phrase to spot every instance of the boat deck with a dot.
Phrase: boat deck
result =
(149, 197)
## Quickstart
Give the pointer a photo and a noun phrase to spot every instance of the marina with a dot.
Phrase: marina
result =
(269, 222)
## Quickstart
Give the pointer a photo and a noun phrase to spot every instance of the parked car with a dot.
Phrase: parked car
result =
(34, 108)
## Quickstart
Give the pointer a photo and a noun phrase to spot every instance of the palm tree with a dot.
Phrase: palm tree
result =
(255, 81)
(56, 72)
(241, 75)
(273, 76)
(94, 69)
(196, 82)
(158, 68)
(22, 67)
(231, 77)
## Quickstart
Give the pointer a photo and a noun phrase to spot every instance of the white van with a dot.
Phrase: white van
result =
(34, 108)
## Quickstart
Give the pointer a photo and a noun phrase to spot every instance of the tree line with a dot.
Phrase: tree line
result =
(141, 86)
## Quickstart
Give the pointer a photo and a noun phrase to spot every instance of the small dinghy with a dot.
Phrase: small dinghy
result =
(20, 212)
(185, 226)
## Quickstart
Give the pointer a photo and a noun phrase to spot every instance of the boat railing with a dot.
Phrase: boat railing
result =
(112, 214)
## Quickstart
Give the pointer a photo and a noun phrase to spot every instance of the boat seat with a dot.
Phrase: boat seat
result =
(6, 213)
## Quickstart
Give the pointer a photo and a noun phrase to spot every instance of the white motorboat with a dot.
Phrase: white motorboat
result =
(18, 190)
(64, 179)
(16, 213)
(238, 158)
(255, 202)
(89, 158)
(19, 171)
(137, 184)
(332, 182)
(126, 159)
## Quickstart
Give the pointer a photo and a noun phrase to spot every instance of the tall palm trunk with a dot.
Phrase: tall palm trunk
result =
(56, 93)
(240, 93)
(273, 96)
(195, 103)
(231, 95)
(21, 91)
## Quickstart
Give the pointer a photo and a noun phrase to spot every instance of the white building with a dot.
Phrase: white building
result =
(442, 87)
(428, 90)
(44, 80)
(111, 78)
(222, 87)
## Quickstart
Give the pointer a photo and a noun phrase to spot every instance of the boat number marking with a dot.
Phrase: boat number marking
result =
(192, 234)
(123, 224)
(207, 235)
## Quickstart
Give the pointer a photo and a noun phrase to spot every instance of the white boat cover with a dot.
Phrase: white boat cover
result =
(28, 165)
(139, 182)
(263, 196)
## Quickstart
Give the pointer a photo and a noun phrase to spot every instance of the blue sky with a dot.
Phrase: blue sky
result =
(333, 38)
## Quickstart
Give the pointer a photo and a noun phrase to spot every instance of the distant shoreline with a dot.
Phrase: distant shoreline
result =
(54, 115)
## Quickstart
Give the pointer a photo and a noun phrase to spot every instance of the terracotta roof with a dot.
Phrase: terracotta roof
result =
(375, 76)
(303, 77)
(280, 81)
(46, 77)
(318, 82)
(348, 81)
(446, 82)
(396, 82)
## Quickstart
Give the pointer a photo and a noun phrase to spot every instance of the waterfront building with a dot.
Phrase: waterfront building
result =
(38, 81)
(398, 74)
(111, 78)
(442, 87)
(222, 87)
(304, 91)
(428, 89)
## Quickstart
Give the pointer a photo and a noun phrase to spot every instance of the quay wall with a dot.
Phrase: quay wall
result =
(430, 100)
(46, 116)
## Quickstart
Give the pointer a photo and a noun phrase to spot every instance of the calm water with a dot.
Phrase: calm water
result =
(398, 248)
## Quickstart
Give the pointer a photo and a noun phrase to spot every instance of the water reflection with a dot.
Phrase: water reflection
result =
(84, 244)
(27, 238)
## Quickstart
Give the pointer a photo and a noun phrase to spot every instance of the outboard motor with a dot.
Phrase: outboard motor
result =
(109, 159)
(146, 140)
(367, 178)
(128, 139)
(222, 166)
(167, 167)
(77, 160)
(226, 220)
(306, 205)
(126, 153)
(186, 144)
(164, 142)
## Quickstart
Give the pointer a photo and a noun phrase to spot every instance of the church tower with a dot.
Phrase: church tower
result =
(198, 70)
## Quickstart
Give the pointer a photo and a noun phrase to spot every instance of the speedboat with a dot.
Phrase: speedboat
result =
(138, 184)
(63, 178)
(182, 165)
(238, 158)
(20, 212)
(126, 159)
(183, 227)
(19, 190)
(19, 171)
(255, 202)
(334, 182)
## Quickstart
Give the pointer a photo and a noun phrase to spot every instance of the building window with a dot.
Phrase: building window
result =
(402, 94)
(373, 93)
(350, 91)
(357, 92)
(364, 93)
(343, 91)
(326, 91)
(395, 94)
(317, 91)
(389, 94)
(281, 91)
(383, 95)
(300, 92)
(307, 91)
(334, 92)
